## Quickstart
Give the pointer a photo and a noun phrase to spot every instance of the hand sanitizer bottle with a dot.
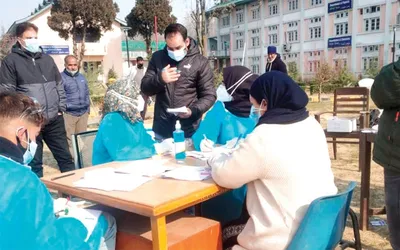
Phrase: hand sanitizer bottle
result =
(179, 141)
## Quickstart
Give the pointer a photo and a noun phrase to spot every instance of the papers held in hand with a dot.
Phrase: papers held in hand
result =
(177, 111)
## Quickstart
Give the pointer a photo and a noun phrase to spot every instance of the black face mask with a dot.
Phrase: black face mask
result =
(140, 66)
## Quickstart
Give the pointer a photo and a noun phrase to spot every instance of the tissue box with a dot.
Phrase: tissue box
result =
(342, 125)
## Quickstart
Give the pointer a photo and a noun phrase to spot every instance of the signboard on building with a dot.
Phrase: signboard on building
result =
(56, 49)
(339, 5)
(343, 41)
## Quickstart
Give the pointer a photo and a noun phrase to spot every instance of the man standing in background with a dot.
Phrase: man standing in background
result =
(29, 71)
(78, 99)
(274, 61)
(137, 73)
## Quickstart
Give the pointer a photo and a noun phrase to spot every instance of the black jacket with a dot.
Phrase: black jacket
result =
(35, 75)
(277, 64)
(385, 92)
(194, 89)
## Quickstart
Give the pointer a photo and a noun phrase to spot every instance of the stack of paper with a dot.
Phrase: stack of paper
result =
(188, 173)
(106, 179)
(144, 168)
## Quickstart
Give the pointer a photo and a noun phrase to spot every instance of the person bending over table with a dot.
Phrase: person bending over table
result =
(228, 119)
(27, 216)
(122, 135)
(284, 162)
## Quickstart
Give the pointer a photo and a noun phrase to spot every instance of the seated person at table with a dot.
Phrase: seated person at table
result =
(27, 216)
(122, 135)
(228, 119)
(284, 162)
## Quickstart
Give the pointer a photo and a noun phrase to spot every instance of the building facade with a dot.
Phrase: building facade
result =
(101, 55)
(356, 34)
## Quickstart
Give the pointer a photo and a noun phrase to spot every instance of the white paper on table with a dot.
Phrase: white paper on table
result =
(189, 173)
(88, 217)
(181, 110)
(106, 179)
(165, 147)
(144, 168)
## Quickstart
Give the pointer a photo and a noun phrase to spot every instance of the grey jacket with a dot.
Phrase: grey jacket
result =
(35, 75)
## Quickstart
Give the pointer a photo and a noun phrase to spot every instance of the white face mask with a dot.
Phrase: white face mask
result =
(177, 55)
(222, 92)
(72, 72)
(32, 45)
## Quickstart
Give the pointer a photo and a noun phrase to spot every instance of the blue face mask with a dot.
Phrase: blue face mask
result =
(30, 150)
(177, 55)
(32, 45)
(255, 113)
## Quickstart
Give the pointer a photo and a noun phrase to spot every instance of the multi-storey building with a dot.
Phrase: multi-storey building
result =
(353, 33)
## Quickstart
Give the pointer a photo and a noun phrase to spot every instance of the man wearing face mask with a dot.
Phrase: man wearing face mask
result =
(137, 73)
(27, 70)
(78, 98)
(179, 76)
(28, 216)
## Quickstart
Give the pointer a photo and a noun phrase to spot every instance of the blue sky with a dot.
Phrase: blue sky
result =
(18, 9)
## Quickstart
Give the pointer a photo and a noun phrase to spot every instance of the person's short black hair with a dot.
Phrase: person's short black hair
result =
(22, 27)
(15, 105)
(176, 28)
(139, 58)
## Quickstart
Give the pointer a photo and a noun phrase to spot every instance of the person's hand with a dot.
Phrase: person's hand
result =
(185, 115)
(169, 74)
(206, 145)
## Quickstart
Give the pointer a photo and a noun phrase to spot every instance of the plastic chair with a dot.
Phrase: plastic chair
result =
(82, 144)
(323, 225)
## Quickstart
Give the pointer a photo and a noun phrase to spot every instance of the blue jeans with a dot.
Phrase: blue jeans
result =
(392, 200)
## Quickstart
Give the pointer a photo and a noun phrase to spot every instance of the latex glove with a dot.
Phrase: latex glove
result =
(206, 145)
(233, 144)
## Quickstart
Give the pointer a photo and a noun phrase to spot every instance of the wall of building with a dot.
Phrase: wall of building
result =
(359, 32)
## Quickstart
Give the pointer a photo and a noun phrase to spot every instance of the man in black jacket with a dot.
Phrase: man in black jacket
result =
(274, 61)
(28, 71)
(179, 76)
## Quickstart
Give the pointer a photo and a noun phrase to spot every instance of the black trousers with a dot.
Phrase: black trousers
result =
(392, 200)
(56, 139)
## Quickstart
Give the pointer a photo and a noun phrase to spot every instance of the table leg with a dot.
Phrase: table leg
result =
(159, 233)
(365, 166)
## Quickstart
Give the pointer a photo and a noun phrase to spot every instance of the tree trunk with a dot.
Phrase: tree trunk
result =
(83, 48)
(203, 26)
(198, 26)
(148, 46)
(319, 92)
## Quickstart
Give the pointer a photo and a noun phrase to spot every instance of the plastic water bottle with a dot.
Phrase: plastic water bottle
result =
(179, 141)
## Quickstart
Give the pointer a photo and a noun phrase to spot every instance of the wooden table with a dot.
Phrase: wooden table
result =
(366, 140)
(155, 199)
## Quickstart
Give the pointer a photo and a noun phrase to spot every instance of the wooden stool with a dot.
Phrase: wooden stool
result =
(184, 232)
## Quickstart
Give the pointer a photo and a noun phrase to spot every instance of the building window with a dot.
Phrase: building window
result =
(239, 41)
(372, 24)
(316, 20)
(226, 21)
(342, 29)
(293, 5)
(316, 2)
(255, 13)
(372, 48)
(273, 9)
(315, 33)
(239, 16)
(398, 19)
(371, 9)
(273, 27)
(342, 14)
(370, 62)
(293, 24)
(255, 37)
(238, 61)
(255, 64)
(273, 39)
(292, 36)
